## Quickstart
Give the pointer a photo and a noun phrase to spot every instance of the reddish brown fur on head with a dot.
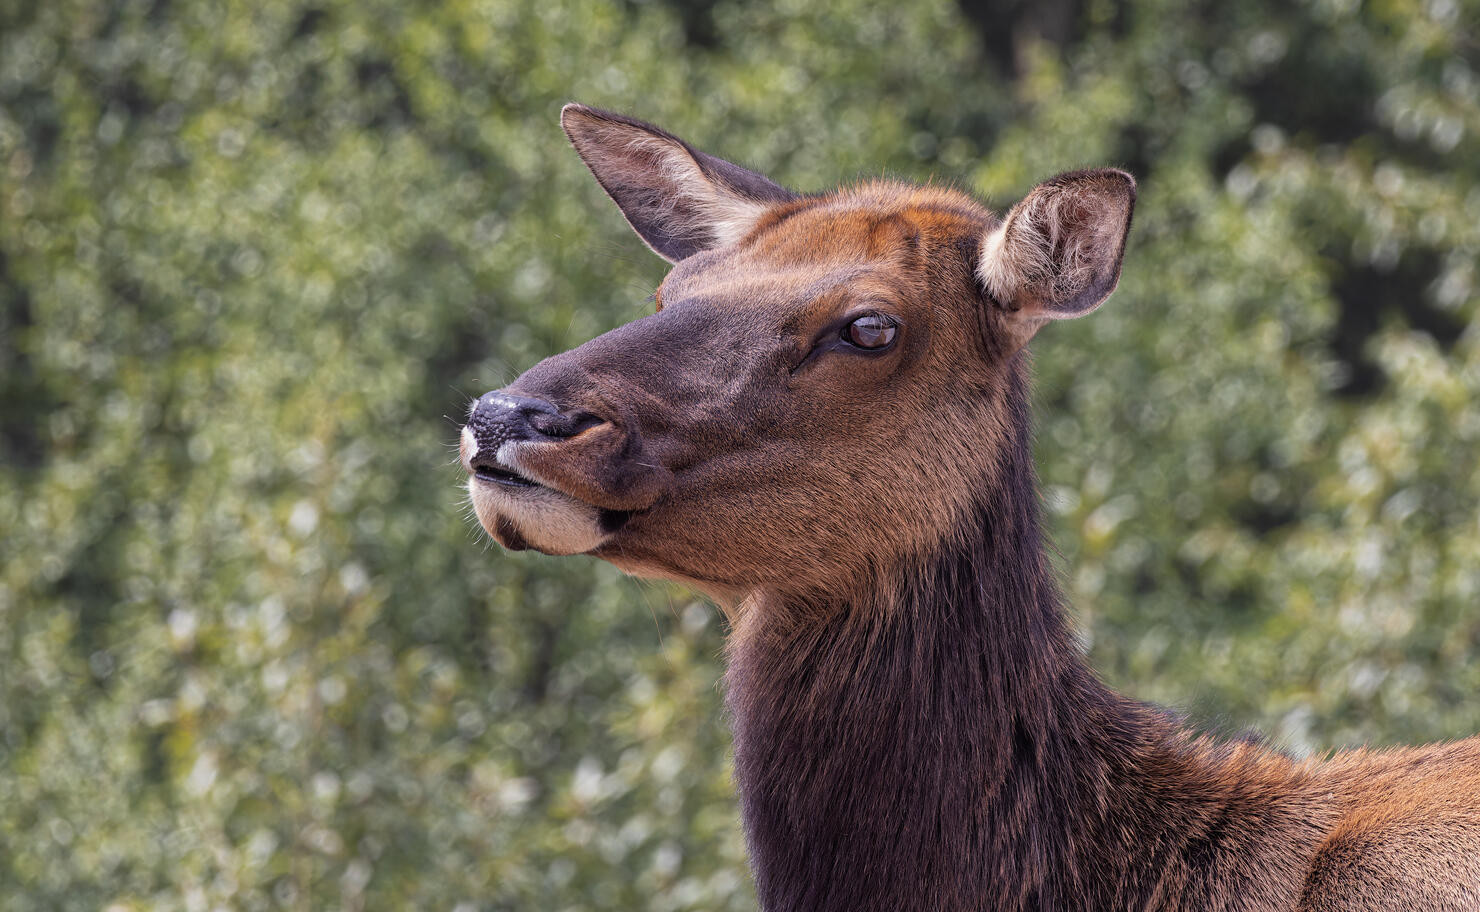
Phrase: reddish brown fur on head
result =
(738, 439)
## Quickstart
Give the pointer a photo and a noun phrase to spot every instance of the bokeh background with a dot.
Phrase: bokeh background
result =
(253, 255)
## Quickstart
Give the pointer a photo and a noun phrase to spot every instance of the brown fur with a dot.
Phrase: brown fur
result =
(914, 726)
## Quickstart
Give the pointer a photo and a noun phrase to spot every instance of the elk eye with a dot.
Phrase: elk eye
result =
(870, 332)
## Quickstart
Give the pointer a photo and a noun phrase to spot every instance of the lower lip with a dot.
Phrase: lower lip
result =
(500, 478)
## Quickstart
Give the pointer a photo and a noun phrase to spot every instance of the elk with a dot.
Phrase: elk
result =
(824, 427)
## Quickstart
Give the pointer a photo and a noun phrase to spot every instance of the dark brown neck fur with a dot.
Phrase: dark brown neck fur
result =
(943, 746)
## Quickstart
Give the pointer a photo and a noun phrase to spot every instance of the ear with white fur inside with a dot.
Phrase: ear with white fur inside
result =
(678, 199)
(1058, 252)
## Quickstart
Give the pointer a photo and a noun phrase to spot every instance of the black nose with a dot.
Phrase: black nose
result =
(499, 417)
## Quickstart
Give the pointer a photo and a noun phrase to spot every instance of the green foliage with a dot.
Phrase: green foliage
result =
(253, 256)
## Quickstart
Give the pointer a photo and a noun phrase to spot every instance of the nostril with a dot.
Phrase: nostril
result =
(564, 425)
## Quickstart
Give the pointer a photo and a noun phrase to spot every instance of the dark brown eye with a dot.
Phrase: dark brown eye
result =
(871, 332)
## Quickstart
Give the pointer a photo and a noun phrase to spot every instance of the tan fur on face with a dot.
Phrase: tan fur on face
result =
(874, 458)
(877, 458)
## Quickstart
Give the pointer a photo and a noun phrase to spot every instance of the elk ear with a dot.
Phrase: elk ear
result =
(679, 200)
(1058, 252)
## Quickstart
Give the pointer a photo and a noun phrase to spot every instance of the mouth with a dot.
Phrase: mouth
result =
(493, 471)
(502, 475)
(522, 513)
(610, 521)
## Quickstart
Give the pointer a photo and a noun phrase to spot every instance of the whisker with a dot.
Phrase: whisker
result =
(649, 602)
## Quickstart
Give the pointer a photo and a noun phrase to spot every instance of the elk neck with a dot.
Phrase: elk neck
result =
(939, 743)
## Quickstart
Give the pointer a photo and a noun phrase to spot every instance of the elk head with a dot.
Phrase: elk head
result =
(823, 388)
